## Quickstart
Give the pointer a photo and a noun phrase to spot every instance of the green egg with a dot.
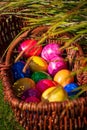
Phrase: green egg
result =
(39, 75)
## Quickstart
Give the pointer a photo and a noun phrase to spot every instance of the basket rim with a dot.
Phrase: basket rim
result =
(42, 106)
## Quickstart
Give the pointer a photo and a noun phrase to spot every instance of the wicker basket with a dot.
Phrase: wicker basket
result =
(67, 115)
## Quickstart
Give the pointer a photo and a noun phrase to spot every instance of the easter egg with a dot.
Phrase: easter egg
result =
(43, 84)
(57, 58)
(39, 75)
(54, 94)
(31, 48)
(50, 51)
(71, 89)
(22, 85)
(31, 92)
(17, 70)
(63, 77)
(55, 66)
(32, 99)
(38, 64)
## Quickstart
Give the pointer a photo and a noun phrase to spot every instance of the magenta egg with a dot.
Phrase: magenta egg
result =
(31, 48)
(44, 84)
(57, 58)
(32, 99)
(55, 66)
(50, 51)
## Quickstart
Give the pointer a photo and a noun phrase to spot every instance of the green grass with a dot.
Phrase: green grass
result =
(7, 120)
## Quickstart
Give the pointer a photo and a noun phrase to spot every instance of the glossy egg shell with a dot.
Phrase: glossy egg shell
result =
(36, 76)
(43, 84)
(64, 77)
(17, 70)
(57, 58)
(71, 89)
(22, 85)
(55, 66)
(31, 92)
(50, 51)
(31, 48)
(32, 99)
(54, 94)
(38, 64)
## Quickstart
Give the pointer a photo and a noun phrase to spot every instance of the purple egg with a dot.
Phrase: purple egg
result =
(31, 92)
(32, 99)
(55, 66)
(50, 51)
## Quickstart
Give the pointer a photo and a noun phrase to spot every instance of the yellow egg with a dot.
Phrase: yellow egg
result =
(63, 77)
(54, 94)
(38, 64)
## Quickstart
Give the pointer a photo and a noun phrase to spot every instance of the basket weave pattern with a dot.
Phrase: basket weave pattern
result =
(68, 115)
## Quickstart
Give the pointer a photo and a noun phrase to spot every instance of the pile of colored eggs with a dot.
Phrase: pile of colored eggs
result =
(47, 78)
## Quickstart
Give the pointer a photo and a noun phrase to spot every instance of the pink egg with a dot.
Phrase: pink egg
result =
(31, 48)
(43, 84)
(56, 65)
(50, 51)
(57, 58)
(32, 99)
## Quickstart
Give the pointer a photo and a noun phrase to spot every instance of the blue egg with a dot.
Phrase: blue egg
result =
(17, 70)
(71, 89)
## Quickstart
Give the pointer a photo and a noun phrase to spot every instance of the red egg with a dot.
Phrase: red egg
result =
(31, 48)
(44, 84)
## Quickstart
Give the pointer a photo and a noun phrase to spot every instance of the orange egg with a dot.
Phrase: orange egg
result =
(38, 64)
(63, 77)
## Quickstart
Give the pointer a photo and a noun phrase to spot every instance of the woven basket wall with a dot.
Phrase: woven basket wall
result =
(68, 115)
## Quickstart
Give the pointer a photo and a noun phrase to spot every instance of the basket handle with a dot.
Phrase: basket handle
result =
(12, 46)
